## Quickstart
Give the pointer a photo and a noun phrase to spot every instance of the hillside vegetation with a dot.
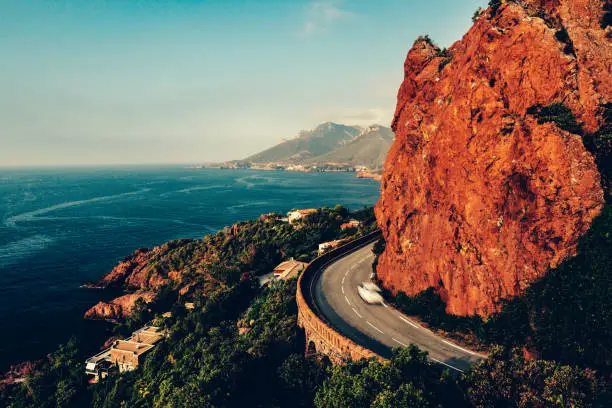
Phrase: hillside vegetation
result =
(308, 144)
(368, 149)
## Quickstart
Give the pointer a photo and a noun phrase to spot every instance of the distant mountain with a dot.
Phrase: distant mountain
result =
(368, 149)
(308, 144)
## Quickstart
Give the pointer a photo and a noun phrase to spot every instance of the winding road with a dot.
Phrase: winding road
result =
(377, 327)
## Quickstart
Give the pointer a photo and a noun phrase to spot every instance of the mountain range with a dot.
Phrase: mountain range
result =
(329, 144)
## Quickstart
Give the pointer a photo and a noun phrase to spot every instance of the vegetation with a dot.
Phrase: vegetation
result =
(558, 113)
(241, 345)
(432, 310)
(606, 19)
(506, 379)
(566, 316)
(476, 14)
(600, 145)
(562, 36)
(408, 380)
(59, 382)
(325, 138)
(494, 6)
(368, 149)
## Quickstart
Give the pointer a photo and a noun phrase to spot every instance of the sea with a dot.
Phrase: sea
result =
(60, 228)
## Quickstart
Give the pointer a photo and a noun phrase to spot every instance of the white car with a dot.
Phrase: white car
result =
(369, 295)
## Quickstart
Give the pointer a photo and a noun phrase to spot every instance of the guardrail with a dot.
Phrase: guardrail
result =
(338, 346)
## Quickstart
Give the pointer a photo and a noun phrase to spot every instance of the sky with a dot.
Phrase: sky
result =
(133, 82)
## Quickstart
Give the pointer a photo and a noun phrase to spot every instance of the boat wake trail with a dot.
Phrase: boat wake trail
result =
(31, 215)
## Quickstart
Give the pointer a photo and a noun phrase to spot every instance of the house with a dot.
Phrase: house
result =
(297, 215)
(126, 354)
(289, 269)
(328, 246)
(350, 224)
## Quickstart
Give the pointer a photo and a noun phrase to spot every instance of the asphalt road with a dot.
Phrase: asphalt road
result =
(377, 327)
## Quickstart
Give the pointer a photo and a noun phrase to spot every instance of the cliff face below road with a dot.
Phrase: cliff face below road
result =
(480, 196)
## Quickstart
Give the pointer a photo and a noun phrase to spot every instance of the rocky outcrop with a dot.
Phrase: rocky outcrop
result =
(138, 270)
(119, 308)
(369, 175)
(479, 196)
(181, 266)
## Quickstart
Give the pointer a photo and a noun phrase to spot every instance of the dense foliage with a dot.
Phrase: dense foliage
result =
(241, 346)
(566, 316)
(557, 112)
(205, 361)
(599, 144)
(494, 6)
(59, 382)
(408, 380)
(506, 379)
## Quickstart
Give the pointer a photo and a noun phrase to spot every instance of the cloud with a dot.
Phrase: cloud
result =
(354, 116)
(321, 15)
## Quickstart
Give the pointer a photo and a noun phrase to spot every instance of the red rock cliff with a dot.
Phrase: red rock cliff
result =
(478, 199)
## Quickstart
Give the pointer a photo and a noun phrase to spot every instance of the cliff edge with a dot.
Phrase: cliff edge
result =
(488, 184)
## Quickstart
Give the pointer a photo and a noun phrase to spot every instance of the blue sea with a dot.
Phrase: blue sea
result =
(62, 227)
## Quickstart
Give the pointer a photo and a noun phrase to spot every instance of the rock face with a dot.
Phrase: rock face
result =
(479, 198)
(118, 308)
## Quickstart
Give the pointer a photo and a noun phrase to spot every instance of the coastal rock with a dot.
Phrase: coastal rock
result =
(18, 373)
(119, 308)
(478, 197)
(369, 175)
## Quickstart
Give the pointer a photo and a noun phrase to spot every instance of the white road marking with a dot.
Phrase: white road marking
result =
(343, 290)
(385, 305)
(356, 312)
(397, 341)
(376, 328)
(460, 348)
(448, 365)
(343, 279)
(409, 322)
(347, 301)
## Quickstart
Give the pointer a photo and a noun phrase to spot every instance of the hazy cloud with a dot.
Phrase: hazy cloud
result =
(355, 116)
(321, 15)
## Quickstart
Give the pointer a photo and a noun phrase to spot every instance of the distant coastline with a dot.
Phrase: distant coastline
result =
(361, 171)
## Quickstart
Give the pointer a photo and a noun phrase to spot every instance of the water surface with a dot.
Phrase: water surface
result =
(62, 227)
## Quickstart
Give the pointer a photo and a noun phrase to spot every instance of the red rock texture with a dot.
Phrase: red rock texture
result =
(478, 200)
(18, 373)
(136, 271)
(180, 265)
(119, 308)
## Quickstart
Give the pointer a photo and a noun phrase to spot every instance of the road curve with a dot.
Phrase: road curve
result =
(377, 327)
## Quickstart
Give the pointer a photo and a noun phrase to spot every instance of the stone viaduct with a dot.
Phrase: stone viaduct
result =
(321, 338)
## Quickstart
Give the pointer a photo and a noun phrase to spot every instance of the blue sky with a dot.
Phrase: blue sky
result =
(122, 82)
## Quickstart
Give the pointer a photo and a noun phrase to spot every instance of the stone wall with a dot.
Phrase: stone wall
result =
(319, 335)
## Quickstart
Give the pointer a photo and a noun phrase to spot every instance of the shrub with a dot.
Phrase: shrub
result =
(476, 14)
(563, 37)
(494, 5)
(606, 19)
(557, 113)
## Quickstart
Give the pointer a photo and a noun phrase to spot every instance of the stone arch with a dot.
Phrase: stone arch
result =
(311, 348)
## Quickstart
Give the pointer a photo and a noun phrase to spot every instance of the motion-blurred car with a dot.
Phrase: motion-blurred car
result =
(370, 293)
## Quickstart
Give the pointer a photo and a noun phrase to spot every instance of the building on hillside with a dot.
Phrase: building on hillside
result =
(125, 354)
(350, 224)
(289, 269)
(328, 246)
(297, 215)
